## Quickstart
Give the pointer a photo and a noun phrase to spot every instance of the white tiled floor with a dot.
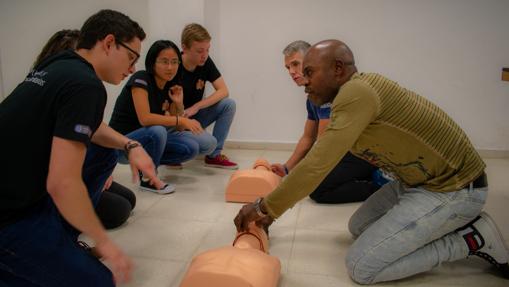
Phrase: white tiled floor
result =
(166, 231)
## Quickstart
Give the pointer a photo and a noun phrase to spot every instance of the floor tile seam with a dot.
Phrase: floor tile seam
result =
(177, 219)
(158, 258)
(290, 258)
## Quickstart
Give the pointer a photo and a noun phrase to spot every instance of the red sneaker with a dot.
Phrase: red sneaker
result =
(220, 161)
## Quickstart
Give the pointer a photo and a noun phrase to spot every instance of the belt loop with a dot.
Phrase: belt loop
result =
(471, 186)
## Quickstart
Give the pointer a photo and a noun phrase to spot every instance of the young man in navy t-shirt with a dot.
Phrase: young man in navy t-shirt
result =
(58, 154)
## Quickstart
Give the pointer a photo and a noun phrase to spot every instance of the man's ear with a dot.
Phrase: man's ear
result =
(108, 43)
(339, 68)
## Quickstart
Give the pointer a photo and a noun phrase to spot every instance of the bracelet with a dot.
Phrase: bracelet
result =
(177, 124)
(286, 168)
(258, 208)
(130, 145)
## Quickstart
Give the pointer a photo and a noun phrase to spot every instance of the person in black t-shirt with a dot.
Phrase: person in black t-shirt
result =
(148, 110)
(60, 153)
(116, 201)
(197, 68)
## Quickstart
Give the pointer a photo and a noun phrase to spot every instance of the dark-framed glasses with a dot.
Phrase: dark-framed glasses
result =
(137, 56)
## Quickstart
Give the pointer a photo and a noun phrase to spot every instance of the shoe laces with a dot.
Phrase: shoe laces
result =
(223, 157)
(502, 267)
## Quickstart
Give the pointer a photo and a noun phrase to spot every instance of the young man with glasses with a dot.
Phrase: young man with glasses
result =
(54, 170)
(197, 68)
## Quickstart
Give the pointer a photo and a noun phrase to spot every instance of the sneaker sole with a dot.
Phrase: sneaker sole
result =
(221, 166)
(158, 191)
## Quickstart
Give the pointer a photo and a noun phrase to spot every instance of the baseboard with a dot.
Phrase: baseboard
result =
(485, 153)
(489, 153)
(260, 145)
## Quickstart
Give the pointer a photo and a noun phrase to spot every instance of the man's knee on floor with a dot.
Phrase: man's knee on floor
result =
(359, 268)
(316, 197)
(354, 227)
(87, 271)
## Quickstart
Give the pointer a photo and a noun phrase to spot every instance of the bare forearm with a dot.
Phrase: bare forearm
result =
(212, 99)
(158, 120)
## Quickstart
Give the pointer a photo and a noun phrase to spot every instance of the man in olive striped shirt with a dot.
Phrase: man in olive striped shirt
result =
(431, 213)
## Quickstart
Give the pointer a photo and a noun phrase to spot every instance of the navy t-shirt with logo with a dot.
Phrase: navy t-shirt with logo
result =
(62, 97)
(124, 118)
(193, 83)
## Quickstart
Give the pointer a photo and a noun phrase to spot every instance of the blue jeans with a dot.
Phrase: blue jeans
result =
(222, 114)
(153, 140)
(405, 231)
(169, 146)
(40, 249)
(184, 146)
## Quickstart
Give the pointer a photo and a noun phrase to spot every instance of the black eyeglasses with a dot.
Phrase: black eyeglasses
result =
(132, 51)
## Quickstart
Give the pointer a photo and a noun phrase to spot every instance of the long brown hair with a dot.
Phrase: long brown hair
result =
(61, 40)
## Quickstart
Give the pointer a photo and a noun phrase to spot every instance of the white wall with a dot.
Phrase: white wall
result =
(450, 51)
(2, 93)
(25, 26)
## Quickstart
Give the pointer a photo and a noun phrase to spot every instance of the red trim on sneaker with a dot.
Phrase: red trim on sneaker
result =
(471, 242)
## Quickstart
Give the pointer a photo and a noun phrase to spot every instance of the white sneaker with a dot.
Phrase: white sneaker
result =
(485, 240)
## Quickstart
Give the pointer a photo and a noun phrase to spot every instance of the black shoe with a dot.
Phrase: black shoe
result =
(146, 186)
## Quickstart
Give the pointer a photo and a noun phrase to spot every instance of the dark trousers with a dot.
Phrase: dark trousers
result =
(115, 205)
(40, 249)
(349, 181)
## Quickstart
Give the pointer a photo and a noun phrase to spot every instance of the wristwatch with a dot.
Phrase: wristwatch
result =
(258, 208)
(130, 145)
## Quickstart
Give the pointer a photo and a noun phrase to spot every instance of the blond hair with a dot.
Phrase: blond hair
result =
(194, 32)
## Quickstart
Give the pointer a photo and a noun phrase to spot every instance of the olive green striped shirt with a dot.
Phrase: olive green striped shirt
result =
(394, 129)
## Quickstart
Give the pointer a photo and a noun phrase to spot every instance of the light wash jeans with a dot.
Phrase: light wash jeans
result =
(405, 231)
(222, 114)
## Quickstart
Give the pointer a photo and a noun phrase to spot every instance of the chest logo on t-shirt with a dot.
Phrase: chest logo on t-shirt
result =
(200, 84)
(83, 129)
